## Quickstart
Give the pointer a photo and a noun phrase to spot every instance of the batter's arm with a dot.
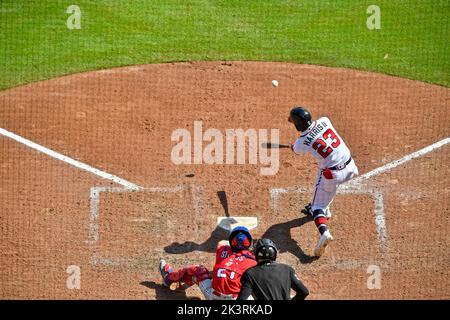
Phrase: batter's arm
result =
(298, 147)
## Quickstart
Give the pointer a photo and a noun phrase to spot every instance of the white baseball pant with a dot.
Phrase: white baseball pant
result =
(207, 290)
(326, 188)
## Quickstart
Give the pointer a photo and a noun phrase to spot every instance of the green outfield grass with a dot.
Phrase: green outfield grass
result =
(35, 43)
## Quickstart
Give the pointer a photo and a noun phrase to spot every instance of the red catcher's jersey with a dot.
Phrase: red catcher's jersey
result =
(229, 268)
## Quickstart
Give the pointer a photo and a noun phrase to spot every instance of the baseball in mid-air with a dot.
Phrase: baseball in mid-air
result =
(275, 83)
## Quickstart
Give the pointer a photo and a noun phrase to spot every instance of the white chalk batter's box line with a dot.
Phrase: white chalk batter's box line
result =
(357, 185)
(94, 230)
(376, 195)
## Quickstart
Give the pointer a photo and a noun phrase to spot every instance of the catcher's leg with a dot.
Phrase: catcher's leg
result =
(166, 271)
(206, 288)
(189, 275)
(201, 276)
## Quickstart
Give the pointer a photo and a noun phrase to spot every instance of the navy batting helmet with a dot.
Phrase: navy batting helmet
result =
(240, 239)
(301, 118)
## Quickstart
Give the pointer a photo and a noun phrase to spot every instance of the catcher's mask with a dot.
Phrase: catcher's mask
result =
(265, 249)
(301, 118)
(240, 239)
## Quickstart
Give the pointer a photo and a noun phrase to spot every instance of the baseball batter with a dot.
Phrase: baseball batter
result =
(336, 166)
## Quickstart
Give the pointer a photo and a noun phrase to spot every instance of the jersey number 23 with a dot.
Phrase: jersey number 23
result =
(321, 146)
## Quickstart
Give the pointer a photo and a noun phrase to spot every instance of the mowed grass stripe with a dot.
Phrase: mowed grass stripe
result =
(35, 43)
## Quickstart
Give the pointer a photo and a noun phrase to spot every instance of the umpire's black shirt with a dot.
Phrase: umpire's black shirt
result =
(271, 281)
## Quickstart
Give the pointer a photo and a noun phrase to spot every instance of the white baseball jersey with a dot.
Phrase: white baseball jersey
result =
(323, 142)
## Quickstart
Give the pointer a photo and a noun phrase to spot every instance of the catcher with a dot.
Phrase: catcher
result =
(232, 259)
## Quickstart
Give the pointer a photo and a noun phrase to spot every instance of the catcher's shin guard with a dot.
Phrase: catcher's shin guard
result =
(165, 269)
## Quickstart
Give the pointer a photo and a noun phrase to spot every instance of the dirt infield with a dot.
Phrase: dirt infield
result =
(54, 215)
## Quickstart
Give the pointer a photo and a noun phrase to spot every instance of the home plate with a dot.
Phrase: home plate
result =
(228, 223)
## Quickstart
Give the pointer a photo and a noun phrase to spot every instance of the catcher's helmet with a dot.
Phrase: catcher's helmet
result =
(301, 118)
(240, 239)
(265, 249)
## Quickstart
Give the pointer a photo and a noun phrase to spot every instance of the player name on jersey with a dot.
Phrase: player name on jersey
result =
(314, 132)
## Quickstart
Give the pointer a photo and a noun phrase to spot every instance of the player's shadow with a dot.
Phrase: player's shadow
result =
(281, 234)
(209, 245)
(164, 293)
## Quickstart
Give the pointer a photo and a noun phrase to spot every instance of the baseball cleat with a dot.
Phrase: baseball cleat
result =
(307, 210)
(165, 269)
(324, 241)
(328, 213)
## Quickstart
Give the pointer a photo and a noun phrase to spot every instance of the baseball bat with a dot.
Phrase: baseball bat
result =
(271, 145)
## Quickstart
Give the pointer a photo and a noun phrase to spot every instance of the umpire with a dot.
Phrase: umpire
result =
(270, 280)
